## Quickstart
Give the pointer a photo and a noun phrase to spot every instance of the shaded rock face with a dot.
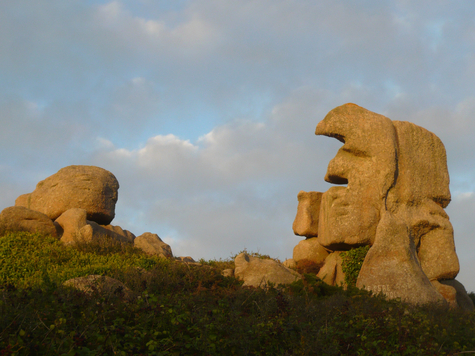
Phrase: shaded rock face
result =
(90, 188)
(397, 186)
(257, 272)
(18, 218)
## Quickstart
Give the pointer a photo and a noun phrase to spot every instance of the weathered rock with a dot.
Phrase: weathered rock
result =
(309, 250)
(308, 211)
(93, 231)
(449, 293)
(349, 215)
(186, 259)
(152, 244)
(419, 196)
(290, 263)
(461, 295)
(102, 285)
(18, 218)
(392, 267)
(331, 272)
(71, 221)
(256, 272)
(76, 228)
(129, 237)
(397, 188)
(91, 188)
(422, 165)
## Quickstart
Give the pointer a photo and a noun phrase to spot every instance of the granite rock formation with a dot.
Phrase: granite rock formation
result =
(19, 218)
(93, 189)
(153, 244)
(397, 186)
(76, 204)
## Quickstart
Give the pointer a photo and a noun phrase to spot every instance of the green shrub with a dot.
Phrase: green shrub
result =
(27, 258)
(352, 262)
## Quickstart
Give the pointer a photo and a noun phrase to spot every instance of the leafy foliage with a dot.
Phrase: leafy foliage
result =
(186, 309)
(352, 262)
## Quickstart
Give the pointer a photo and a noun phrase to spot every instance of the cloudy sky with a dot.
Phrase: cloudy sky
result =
(205, 110)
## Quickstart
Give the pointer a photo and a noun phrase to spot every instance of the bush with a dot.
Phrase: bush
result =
(352, 261)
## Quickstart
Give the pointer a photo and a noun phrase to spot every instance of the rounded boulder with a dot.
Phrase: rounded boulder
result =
(91, 188)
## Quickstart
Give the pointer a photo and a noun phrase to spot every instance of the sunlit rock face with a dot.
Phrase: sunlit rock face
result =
(91, 188)
(394, 186)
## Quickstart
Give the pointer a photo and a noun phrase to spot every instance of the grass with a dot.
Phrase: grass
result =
(185, 309)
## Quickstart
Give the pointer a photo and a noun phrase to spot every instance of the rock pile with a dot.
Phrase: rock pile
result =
(77, 204)
(397, 186)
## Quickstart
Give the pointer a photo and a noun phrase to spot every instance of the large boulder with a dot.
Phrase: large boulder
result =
(101, 285)
(462, 299)
(309, 250)
(93, 231)
(93, 189)
(130, 237)
(331, 272)
(153, 245)
(308, 211)
(392, 267)
(257, 272)
(18, 218)
(397, 187)
(367, 164)
(71, 222)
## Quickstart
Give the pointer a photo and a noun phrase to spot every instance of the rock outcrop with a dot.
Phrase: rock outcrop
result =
(153, 245)
(397, 188)
(257, 272)
(90, 188)
(76, 204)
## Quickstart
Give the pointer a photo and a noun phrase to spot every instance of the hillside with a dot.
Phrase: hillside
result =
(175, 308)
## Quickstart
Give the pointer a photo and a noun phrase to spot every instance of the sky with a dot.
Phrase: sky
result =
(205, 110)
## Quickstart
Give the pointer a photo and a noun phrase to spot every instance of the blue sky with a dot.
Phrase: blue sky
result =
(205, 110)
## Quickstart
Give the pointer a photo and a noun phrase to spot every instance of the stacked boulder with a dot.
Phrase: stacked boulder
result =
(397, 187)
(77, 204)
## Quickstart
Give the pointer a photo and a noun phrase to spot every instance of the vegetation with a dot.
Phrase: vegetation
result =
(352, 261)
(184, 309)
